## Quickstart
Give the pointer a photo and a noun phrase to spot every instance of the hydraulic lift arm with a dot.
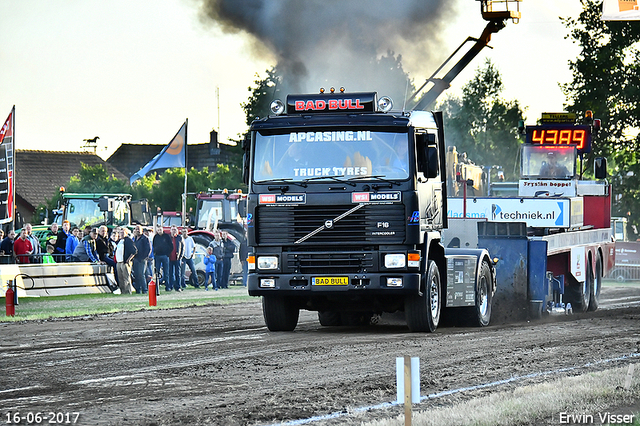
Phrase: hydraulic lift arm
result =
(496, 21)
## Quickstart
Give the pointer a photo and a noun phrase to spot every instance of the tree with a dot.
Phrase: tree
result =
(483, 125)
(606, 77)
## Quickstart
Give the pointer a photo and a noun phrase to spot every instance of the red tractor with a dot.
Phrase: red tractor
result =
(217, 209)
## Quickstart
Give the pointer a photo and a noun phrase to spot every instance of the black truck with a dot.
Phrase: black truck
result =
(346, 205)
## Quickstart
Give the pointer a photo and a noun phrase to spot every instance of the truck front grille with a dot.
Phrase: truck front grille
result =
(373, 223)
(329, 263)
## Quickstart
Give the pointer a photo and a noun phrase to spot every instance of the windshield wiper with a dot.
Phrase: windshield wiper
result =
(287, 180)
(380, 178)
(334, 178)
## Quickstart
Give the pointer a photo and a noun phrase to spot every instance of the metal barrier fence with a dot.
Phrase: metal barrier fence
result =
(624, 273)
(35, 258)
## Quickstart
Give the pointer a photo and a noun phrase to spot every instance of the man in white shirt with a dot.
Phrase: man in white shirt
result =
(187, 259)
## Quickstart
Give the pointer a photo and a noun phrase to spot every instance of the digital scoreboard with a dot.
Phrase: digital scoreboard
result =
(561, 134)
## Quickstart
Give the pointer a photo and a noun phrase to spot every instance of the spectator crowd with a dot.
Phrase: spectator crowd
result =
(131, 258)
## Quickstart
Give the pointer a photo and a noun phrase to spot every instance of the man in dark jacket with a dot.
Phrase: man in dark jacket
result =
(140, 259)
(61, 242)
(105, 249)
(125, 252)
(162, 245)
(6, 247)
(175, 259)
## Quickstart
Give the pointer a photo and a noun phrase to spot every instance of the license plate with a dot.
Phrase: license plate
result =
(329, 280)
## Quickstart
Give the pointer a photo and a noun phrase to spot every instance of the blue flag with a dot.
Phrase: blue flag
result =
(173, 155)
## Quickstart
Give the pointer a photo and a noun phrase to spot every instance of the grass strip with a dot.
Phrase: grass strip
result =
(592, 398)
(39, 308)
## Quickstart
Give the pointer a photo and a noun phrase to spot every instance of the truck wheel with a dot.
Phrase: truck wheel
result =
(422, 312)
(594, 300)
(279, 313)
(480, 314)
(329, 318)
(582, 292)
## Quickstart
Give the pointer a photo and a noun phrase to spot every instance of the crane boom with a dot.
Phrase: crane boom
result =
(496, 21)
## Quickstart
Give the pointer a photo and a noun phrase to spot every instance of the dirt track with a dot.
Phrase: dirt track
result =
(219, 365)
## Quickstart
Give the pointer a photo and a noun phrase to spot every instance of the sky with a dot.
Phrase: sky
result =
(133, 71)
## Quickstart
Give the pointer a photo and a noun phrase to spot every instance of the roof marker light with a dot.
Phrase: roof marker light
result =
(385, 104)
(277, 107)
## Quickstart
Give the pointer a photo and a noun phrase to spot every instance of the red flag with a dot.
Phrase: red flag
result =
(7, 128)
(7, 199)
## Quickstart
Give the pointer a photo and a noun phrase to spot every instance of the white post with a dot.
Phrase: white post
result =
(408, 383)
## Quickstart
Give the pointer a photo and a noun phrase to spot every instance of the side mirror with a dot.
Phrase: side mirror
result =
(600, 168)
(433, 167)
(105, 204)
(245, 168)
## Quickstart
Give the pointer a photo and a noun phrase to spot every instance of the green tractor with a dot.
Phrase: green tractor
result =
(96, 209)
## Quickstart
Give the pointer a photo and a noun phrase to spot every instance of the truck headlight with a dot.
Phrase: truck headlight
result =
(267, 262)
(394, 261)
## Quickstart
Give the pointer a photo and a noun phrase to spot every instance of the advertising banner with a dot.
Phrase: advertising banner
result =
(539, 213)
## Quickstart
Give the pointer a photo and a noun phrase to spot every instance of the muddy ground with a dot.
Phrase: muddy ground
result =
(219, 365)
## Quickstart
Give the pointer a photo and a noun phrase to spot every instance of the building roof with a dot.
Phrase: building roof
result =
(39, 174)
(130, 158)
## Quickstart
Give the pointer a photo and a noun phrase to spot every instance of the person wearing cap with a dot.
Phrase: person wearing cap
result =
(551, 167)
(86, 249)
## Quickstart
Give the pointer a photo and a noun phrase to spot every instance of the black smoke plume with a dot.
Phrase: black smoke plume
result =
(324, 43)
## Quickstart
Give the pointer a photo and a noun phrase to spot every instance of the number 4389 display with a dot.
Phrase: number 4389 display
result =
(561, 135)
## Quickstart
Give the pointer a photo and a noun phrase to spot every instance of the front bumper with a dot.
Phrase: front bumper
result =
(313, 285)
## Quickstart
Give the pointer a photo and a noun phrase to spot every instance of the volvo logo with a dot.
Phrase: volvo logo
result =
(328, 224)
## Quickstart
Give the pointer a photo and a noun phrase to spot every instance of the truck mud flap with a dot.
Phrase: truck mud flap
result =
(509, 243)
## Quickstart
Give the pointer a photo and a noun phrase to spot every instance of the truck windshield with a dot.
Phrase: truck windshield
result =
(349, 153)
(548, 162)
(83, 212)
(210, 212)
